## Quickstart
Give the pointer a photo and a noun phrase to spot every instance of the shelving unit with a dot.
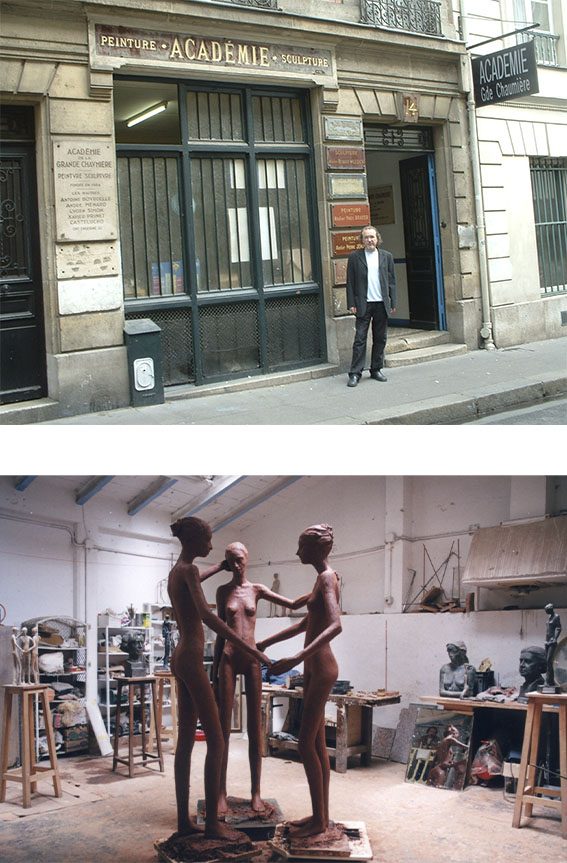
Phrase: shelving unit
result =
(110, 661)
(66, 675)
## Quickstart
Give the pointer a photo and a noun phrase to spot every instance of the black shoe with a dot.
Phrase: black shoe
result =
(353, 380)
(378, 376)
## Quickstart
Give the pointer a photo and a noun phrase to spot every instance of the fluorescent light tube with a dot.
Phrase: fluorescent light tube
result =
(145, 115)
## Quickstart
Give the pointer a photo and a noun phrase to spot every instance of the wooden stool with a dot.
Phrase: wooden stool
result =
(527, 792)
(29, 773)
(164, 677)
(132, 683)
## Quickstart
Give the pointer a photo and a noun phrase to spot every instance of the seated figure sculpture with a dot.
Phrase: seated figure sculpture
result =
(532, 668)
(457, 678)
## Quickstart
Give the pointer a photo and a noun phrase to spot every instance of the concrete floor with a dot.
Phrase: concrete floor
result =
(105, 817)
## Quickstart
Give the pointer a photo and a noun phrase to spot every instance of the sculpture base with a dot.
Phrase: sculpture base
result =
(195, 848)
(546, 689)
(347, 841)
(240, 815)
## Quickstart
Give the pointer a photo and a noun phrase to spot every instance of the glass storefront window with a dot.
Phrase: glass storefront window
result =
(214, 116)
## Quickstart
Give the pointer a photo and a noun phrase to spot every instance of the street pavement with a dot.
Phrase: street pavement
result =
(457, 390)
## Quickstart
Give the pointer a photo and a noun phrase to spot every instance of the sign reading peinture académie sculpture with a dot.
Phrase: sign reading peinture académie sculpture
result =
(109, 43)
(504, 75)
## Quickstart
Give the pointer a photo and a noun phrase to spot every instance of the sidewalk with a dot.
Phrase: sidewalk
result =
(448, 391)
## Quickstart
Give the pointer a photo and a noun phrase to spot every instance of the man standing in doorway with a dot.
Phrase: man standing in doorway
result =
(371, 296)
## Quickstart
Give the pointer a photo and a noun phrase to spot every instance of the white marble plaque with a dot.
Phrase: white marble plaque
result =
(343, 129)
(85, 191)
(347, 185)
(77, 260)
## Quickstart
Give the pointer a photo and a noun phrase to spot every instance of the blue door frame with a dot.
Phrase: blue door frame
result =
(436, 242)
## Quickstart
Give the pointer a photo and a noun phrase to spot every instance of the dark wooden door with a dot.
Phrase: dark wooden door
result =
(419, 241)
(22, 344)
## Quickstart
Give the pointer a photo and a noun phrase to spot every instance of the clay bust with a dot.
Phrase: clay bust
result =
(320, 671)
(457, 678)
(195, 696)
(552, 633)
(133, 644)
(532, 668)
(236, 605)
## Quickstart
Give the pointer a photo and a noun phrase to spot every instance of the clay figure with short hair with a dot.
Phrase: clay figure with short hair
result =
(532, 668)
(321, 624)
(196, 700)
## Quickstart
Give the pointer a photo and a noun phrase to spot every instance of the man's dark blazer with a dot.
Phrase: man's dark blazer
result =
(357, 280)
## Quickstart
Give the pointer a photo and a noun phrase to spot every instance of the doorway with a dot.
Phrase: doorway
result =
(22, 343)
(402, 192)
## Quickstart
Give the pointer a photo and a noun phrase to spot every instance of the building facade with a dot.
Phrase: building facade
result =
(208, 166)
(522, 146)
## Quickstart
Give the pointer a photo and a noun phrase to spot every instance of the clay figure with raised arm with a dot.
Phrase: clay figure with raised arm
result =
(237, 602)
(195, 695)
(321, 624)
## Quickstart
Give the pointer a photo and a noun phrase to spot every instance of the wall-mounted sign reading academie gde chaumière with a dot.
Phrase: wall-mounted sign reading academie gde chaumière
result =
(147, 46)
(504, 75)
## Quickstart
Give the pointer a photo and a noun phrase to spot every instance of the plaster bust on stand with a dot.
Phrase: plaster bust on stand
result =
(532, 667)
(457, 678)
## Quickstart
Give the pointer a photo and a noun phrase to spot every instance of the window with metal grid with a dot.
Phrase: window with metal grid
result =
(150, 226)
(229, 336)
(549, 191)
(176, 343)
(217, 222)
(293, 330)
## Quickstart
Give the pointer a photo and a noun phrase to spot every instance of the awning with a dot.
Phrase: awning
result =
(534, 553)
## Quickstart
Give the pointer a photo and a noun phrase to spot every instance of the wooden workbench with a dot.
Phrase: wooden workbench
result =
(353, 733)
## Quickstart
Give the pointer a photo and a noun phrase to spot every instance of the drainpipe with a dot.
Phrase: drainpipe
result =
(486, 329)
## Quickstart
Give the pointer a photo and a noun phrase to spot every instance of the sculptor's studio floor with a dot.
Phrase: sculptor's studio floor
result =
(105, 817)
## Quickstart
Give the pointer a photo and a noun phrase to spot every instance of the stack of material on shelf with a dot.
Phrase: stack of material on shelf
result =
(435, 600)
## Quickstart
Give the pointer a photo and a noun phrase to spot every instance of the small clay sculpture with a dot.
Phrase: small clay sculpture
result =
(321, 624)
(166, 628)
(16, 657)
(35, 655)
(552, 633)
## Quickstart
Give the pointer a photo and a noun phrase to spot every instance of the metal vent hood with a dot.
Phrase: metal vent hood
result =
(533, 553)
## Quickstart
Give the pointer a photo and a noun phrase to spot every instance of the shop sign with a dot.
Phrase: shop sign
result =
(505, 75)
(347, 185)
(343, 129)
(340, 268)
(346, 157)
(344, 244)
(170, 47)
(349, 215)
(85, 209)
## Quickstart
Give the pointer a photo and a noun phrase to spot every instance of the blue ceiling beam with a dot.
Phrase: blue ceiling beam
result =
(153, 491)
(90, 488)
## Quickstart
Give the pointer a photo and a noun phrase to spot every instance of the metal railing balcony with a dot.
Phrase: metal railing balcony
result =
(258, 4)
(416, 16)
(545, 47)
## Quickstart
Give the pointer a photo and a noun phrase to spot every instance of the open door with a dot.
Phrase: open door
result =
(422, 243)
(22, 344)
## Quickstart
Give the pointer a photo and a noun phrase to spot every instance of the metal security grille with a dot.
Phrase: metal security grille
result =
(176, 343)
(415, 139)
(417, 16)
(549, 191)
(229, 337)
(150, 226)
(14, 244)
(293, 325)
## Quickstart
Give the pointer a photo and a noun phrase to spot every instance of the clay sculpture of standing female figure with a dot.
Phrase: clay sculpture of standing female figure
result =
(236, 605)
(321, 624)
(195, 695)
